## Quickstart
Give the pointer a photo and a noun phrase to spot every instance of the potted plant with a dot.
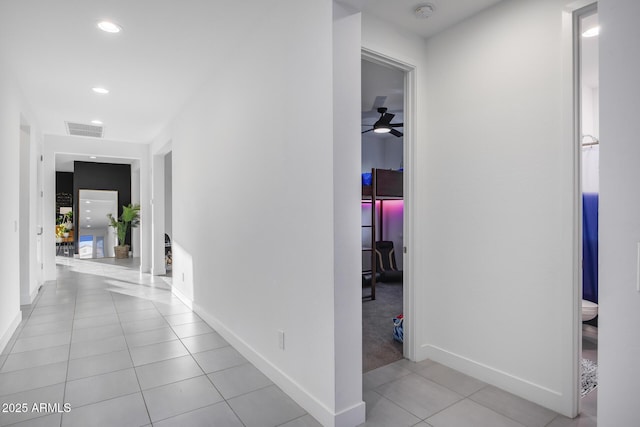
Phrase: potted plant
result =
(61, 232)
(130, 218)
(67, 220)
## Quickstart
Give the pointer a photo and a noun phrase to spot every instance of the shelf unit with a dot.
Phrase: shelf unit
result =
(385, 185)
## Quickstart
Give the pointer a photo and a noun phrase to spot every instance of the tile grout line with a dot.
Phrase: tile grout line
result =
(175, 382)
(396, 404)
(23, 321)
(135, 372)
(75, 291)
(66, 377)
(224, 399)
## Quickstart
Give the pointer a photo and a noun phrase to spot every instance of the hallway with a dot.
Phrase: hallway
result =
(121, 350)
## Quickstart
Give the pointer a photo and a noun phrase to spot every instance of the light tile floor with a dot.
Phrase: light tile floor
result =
(121, 350)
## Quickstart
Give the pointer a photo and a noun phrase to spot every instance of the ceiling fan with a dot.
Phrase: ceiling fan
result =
(384, 125)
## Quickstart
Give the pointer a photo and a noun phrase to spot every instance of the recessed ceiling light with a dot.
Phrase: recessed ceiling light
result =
(88, 218)
(88, 202)
(100, 90)
(88, 225)
(591, 32)
(424, 11)
(88, 211)
(96, 122)
(109, 27)
(92, 157)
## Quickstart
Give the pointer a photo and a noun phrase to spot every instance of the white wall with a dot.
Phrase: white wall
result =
(384, 152)
(140, 190)
(494, 199)
(36, 278)
(253, 202)
(347, 281)
(499, 181)
(499, 219)
(590, 112)
(30, 206)
(590, 126)
(619, 300)
(14, 112)
(25, 224)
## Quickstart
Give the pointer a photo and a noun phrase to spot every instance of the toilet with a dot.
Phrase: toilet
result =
(589, 310)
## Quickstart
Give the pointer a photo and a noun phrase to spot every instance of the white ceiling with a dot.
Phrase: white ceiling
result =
(381, 87)
(447, 13)
(166, 50)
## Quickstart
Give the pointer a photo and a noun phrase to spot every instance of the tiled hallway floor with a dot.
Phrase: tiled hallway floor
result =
(121, 350)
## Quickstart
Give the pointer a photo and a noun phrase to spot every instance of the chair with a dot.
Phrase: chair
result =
(386, 262)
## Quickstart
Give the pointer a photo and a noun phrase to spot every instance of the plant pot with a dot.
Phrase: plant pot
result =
(65, 235)
(121, 251)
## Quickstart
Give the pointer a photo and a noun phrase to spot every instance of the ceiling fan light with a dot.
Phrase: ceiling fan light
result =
(109, 27)
(382, 129)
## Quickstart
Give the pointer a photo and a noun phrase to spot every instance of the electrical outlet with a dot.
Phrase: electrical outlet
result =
(281, 339)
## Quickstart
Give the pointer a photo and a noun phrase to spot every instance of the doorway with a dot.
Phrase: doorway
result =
(587, 78)
(168, 213)
(385, 312)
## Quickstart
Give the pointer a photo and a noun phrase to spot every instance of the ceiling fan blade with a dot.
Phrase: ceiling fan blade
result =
(368, 130)
(395, 133)
(386, 119)
(396, 125)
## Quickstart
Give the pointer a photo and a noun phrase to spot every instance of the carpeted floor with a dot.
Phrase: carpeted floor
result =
(378, 346)
(588, 376)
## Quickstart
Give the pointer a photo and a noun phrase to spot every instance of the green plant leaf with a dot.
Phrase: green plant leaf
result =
(130, 218)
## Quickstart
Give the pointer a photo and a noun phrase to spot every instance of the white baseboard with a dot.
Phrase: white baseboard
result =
(4, 340)
(350, 417)
(543, 396)
(182, 297)
(28, 298)
(34, 294)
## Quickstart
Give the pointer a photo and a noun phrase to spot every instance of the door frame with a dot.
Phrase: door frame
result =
(572, 108)
(158, 266)
(409, 142)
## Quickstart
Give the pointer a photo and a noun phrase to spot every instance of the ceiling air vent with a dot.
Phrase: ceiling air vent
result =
(80, 129)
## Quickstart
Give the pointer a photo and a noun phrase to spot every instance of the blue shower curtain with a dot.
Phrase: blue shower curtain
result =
(590, 246)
